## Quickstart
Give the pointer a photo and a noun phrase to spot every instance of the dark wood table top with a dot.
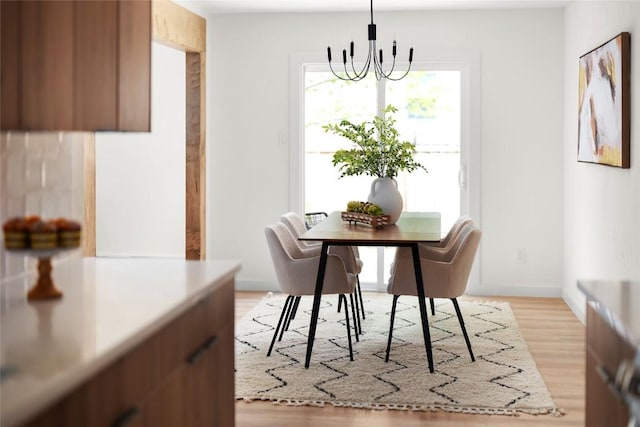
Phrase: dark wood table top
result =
(412, 227)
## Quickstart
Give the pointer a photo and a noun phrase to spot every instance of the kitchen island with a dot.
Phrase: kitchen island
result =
(613, 352)
(143, 340)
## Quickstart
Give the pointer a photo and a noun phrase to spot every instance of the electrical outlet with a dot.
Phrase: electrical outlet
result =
(521, 256)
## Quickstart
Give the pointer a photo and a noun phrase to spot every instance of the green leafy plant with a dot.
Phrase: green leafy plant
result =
(381, 157)
(364, 207)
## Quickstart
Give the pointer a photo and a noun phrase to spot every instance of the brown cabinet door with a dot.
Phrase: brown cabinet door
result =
(187, 397)
(605, 350)
(76, 65)
(9, 58)
(223, 379)
(96, 65)
(134, 72)
(46, 29)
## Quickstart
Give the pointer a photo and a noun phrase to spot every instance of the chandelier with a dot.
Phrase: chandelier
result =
(354, 75)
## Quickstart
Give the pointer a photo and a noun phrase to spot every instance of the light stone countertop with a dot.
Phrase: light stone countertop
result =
(47, 348)
(618, 302)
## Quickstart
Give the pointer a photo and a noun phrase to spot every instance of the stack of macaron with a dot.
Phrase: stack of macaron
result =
(69, 232)
(32, 232)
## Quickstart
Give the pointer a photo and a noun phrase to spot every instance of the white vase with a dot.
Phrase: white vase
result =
(384, 193)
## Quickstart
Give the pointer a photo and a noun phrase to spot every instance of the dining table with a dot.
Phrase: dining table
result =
(410, 230)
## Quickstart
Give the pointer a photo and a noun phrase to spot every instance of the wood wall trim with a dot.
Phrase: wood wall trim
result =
(89, 220)
(177, 27)
(196, 158)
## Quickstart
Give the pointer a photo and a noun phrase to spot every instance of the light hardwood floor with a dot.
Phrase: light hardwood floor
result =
(556, 339)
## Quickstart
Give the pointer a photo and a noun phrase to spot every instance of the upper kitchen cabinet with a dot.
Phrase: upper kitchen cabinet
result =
(76, 65)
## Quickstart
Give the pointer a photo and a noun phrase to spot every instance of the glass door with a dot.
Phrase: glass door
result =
(429, 104)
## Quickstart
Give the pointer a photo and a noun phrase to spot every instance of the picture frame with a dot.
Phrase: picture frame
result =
(604, 102)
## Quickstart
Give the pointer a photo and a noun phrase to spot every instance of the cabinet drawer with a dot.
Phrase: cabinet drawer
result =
(607, 346)
(219, 307)
(605, 350)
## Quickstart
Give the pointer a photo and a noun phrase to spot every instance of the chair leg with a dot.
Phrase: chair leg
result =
(360, 296)
(294, 310)
(339, 303)
(346, 316)
(275, 334)
(464, 330)
(359, 323)
(433, 307)
(287, 318)
(355, 319)
(393, 316)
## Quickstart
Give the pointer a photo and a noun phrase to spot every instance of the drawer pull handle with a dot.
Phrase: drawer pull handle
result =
(196, 355)
(608, 380)
(210, 342)
(125, 417)
(628, 377)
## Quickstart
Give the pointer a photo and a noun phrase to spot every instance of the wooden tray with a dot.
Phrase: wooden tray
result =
(376, 221)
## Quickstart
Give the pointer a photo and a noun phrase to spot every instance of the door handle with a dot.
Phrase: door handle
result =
(462, 177)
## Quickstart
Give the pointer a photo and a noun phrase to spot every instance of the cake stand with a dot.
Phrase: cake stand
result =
(44, 288)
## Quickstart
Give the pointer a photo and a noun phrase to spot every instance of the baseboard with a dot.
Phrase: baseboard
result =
(578, 307)
(516, 291)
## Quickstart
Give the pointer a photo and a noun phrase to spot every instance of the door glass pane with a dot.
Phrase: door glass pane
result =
(429, 115)
(329, 100)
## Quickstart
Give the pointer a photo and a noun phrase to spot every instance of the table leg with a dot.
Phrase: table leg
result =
(316, 302)
(423, 305)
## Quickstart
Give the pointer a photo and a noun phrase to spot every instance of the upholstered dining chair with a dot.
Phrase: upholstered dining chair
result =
(297, 270)
(452, 233)
(311, 219)
(439, 250)
(445, 278)
(353, 263)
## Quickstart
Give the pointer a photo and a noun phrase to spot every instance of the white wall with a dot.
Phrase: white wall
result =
(522, 108)
(140, 177)
(602, 204)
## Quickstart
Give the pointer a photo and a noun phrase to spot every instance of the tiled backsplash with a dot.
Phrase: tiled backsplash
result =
(40, 174)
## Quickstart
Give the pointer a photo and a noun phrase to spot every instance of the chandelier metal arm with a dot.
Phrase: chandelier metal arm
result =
(357, 76)
(377, 61)
(365, 69)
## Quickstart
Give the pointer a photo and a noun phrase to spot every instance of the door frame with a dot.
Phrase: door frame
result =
(178, 28)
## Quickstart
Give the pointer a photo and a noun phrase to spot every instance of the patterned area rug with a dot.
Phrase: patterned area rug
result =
(503, 379)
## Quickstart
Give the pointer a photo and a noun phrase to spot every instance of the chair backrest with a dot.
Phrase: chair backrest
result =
(295, 223)
(284, 252)
(297, 271)
(454, 230)
(462, 262)
(454, 246)
(311, 219)
(446, 252)
(442, 278)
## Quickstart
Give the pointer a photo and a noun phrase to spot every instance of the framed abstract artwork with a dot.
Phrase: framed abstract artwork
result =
(604, 103)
